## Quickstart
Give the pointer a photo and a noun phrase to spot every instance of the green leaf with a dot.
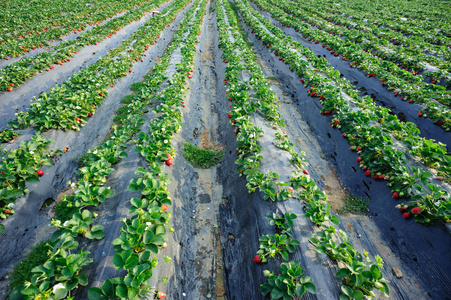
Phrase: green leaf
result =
(357, 295)
(60, 294)
(285, 255)
(131, 262)
(342, 273)
(117, 260)
(265, 288)
(121, 291)
(311, 288)
(96, 293)
(276, 293)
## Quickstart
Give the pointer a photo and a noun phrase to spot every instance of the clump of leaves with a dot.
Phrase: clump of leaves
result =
(202, 158)
(290, 283)
(355, 205)
(22, 270)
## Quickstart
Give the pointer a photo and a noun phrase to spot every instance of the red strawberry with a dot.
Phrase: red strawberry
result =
(343, 134)
(440, 178)
(169, 162)
(416, 210)
(406, 215)
(256, 259)
(230, 116)
(375, 176)
(89, 115)
(382, 176)
(419, 114)
(367, 173)
(395, 195)
(41, 173)
(302, 80)
(290, 189)
(164, 207)
(7, 58)
(161, 295)
(440, 122)
(410, 101)
(77, 119)
(9, 89)
(305, 172)
(7, 211)
(358, 148)
(359, 159)
(11, 84)
(386, 178)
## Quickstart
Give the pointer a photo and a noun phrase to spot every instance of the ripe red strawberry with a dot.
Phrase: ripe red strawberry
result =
(343, 134)
(256, 259)
(386, 178)
(41, 173)
(7, 58)
(229, 115)
(367, 173)
(11, 84)
(9, 89)
(161, 295)
(382, 176)
(406, 215)
(358, 148)
(89, 115)
(302, 80)
(410, 101)
(164, 207)
(395, 195)
(359, 159)
(305, 172)
(169, 162)
(440, 178)
(440, 122)
(416, 210)
(290, 189)
(419, 114)
(77, 119)
(7, 211)
(375, 176)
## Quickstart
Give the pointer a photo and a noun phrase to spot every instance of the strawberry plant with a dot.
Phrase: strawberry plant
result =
(290, 283)
(276, 245)
(283, 223)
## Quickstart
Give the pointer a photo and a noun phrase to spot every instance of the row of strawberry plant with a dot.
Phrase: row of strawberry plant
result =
(383, 157)
(430, 36)
(389, 73)
(18, 40)
(16, 187)
(289, 283)
(62, 272)
(18, 72)
(89, 191)
(368, 30)
(368, 275)
(143, 234)
(70, 104)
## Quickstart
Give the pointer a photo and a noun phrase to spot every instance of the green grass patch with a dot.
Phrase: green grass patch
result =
(355, 205)
(202, 158)
(127, 99)
(63, 212)
(22, 270)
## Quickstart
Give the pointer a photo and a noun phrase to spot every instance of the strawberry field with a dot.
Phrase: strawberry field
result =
(225, 149)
